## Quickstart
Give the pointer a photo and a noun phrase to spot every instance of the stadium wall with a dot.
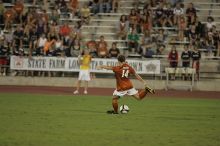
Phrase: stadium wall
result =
(204, 85)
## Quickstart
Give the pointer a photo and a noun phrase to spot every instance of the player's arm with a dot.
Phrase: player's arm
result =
(105, 67)
(139, 78)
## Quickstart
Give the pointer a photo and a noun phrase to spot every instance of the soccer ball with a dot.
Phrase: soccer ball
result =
(124, 109)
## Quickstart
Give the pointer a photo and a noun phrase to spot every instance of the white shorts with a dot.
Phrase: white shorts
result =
(84, 75)
(131, 91)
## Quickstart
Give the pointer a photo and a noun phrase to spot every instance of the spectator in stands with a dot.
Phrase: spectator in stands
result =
(178, 11)
(122, 27)
(74, 7)
(185, 56)
(146, 21)
(210, 23)
(104, 6)
(85, 14)
(181, 28)
(160, 37)
(115, 5)
(114, 51)
(53, 31)
(160, 49)
(191, 14)
(18, 38)
(65, 30)
(19, 7)
(76, 47)
(41, 25)
(2, 9)
(48, 49)
(9, 16)
(92, 46)
(58, 47)
(95, 6)
(62, 6)
(32, 37)
(30, 22)
(40, 44)
(216, 40)
(193, 35)
(168, 16)
(4, 52)
(54, 17)
(196, 56)
(102, 48)
(133, 19)
(159, 12)
(210, 46)
(173, 59)
(133, 41)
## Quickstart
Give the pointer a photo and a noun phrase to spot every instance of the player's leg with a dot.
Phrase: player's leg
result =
(114, 105)
(78, 83)
(139, 95)
(86, 87)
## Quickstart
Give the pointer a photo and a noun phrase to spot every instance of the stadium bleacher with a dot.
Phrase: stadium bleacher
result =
(106, 24)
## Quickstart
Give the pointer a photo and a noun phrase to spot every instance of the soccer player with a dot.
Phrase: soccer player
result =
(84, 74)
(124, 85)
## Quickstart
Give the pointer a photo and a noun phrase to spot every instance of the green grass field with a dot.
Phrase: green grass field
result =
(55, 120)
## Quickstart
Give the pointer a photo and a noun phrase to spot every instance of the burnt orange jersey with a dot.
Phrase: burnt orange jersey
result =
(122, 74)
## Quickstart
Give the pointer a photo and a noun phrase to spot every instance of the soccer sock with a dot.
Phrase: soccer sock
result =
(142, 93)
(115, 104)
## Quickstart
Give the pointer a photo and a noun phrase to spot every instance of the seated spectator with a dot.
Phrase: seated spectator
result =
(191, 14)
(65, 30)
(181, 28)
(18, 36)
(95, 6)
(133, 19)
(53, 31)
(102, 48)
(9, 16)
(168, 16)
(173, 59)
(160, 49)
(146, 21)
(92, 46)
(133, 41)
(114, 51)
(160, 37)
(196, 56)
(8, 39)
(54, 17)
(85, 14)
(2, 9)
(32, 37)
(19, 7)
(210, 46)
(76, 48)
(4, 52)
(193, 35)
(47, 50)
(40, 45)
(177, 11)
(104, 6)
(210, 23)
(122, 27)
(30, 22)
(146, 43)
(58, 47)
(185, 56)
(73, 6)
(115, 5)
(159, 12)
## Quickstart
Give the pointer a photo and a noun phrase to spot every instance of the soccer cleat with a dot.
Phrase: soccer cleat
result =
(111, 112)
(76, 92)
(85, 92)
(148, 89)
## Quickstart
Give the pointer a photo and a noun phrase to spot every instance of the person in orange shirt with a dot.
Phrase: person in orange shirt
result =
(73, 6)
(47, 46)
(102, 48)
(84, 73)
(124, 85)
